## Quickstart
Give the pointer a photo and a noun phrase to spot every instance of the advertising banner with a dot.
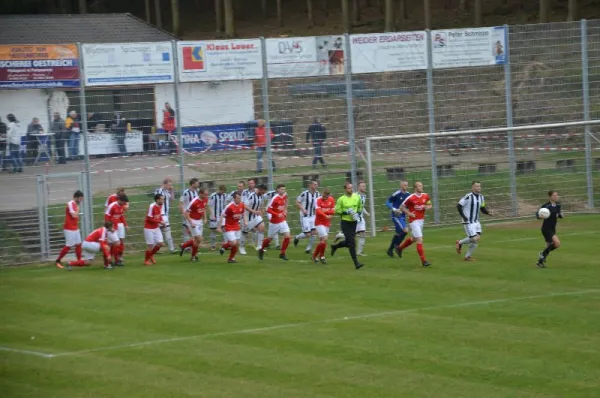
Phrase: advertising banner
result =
(217, 138)
(39, 66)
(387, 52)
(127, 63)
(220, 60)
(106, 143)
(305, 56)
(468, 47)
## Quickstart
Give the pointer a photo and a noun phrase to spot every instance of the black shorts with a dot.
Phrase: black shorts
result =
(548, 234)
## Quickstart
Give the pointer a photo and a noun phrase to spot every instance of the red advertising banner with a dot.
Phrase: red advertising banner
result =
(39, 66)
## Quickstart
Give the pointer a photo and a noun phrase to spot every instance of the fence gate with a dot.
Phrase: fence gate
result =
(53, 193)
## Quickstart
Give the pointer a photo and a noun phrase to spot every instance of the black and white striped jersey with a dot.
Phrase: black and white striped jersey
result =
(187, 196)
(363, 200)
(253, 201)
(269, 195)
(167, 195)
(471, 205)
(308, 201)
(217, 202)
(245, 193)
(229, 198)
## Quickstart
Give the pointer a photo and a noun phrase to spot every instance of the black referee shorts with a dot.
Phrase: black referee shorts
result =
(548, 234)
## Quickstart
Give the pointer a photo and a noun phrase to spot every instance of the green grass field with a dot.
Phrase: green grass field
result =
(498, 327)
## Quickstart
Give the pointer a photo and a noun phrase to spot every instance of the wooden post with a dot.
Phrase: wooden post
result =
(572, 10)
(478, 13)
(229, 19)
(389, 16)
(263, 8)
(544, 11)
(355, 10)
(82, 6)
(279, 13)
(147, 7)
(345, 16)
(157, 13)
(427, 4)
(175, 16)
(309, 11)
(219, 15)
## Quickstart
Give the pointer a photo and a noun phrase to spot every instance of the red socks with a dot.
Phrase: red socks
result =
(155, 250)
(77, 263)
(64, 251)
(187, 244)
(266, 243)
(421, 251)
(78, 252)
(285, 244)
(234, 250)
(114, 249)
(194, 250)
(226, 246)
(121, 249)
(148, 254)
(407, 242)
(320, 250)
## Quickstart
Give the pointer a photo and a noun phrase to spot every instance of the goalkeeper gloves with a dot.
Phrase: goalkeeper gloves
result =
(356, 217)
(350, 212)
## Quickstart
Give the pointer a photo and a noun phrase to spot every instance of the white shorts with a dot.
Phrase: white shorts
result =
(230, 236)
(308, 224)
(322, 231)
(166, 221)
(416, 228)
(281, 228)
(196, 229)
(212, 224)
(255, 222)
(361, 226)
(89, 249)
(121, 230)
(153, 236)
(472, 229)
(72, 238)
(112, 237)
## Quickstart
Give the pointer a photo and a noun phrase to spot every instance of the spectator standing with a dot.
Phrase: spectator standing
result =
(60, 137)
(168, 124)
(3, 145)
(317, 134)
(119, 128)
(13, 139)
(260, 143)
(32, 142)
(73, 127)
(92, 122)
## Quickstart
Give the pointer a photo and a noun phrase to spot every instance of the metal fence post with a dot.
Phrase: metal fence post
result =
(266, 116)
(89, 216)
(42, 217)
(586, 114)
(431, 108)
(350, 110)
(509, 123)
(371, 187)
(178, 115)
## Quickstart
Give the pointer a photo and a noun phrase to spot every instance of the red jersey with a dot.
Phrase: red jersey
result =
(154, 216)
(416, 203)
(111, 199)
(277, 209)
(197, 208)
(324, 207)
(97, 236)
(233, 214)
(115, 213)
(71, 216)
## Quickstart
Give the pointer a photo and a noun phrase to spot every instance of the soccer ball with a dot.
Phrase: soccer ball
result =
(544, 213)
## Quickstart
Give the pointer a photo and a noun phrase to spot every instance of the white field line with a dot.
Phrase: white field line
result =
(294, 325)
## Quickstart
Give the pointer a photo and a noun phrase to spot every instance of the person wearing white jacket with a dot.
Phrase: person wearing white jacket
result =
(13, 138)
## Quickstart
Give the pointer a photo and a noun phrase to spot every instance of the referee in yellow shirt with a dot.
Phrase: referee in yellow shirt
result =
(349, 207)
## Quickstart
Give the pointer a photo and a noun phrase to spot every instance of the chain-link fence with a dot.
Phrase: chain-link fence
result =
(307, 119)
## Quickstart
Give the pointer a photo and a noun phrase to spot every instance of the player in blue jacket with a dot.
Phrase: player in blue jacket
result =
(398, 218)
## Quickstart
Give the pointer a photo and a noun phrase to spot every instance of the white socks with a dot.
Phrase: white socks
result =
(361, 243)
(472, 248)
(169, 238)
(464, 241)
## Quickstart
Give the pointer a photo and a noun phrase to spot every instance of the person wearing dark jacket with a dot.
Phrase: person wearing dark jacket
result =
(318, 134)
(3, 131)
(32, 143)
(119, 128)
(61, 137)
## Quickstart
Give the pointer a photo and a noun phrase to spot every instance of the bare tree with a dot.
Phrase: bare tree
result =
(82, 6)
(478, 13)
(229, 18)
(402, 10)
(345, 16)
(219, 15)
(325, 8)
(263, 8)
(427, 4)
(279, 13)
(175, 16)
(157, 13)
(147, 7)
(572, 10)
(355, 11)
(309, 11)
(63, 6)
(389, 15)
(544, 11)
(463, 6)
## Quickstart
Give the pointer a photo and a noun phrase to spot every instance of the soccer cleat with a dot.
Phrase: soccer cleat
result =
(120, 263)
(361, 254)
(308, 250)
(315, 260)
(390, 253)
(261, 254)
(181, 250)
(323, 261)
(398, 251)
(221, 251)
(108, 266)
(69, 268)
(540, 264)
(469, 258)
(278, 247)
(458, 247)
(147, 262)
(258, 248)
(243, 250)
(296, 240)
(358, 265)
(426, 263)
(173, 251)
(333, 250)
(58, 264)
(152, 260)
(213, 248)
(283, 257)
(195, 258)
(232, 261)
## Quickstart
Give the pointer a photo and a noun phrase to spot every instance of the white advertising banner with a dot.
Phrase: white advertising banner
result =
(220, 60)
(127, 63)
(305, 56)
(453, 48)
(386, 52)
(106, 143)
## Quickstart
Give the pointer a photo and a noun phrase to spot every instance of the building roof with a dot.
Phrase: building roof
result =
(73, 28)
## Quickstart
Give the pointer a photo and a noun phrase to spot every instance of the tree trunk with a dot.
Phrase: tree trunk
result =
(147, 7)
(263, 8)
(175, 16)
(463, 6)
(345, 16)
(478, 13)
(219, 15)
(309, 11)
(389, 15)
(544, 11)
(325, 8)
(82, 6)
(229, 19)
(279, 13)
(355, 11)
(62, 7)
(157, 14)
(402, 10)
(427, 4)
(572, 10)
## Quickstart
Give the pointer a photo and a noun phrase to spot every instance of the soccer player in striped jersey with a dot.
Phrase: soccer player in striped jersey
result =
(216, 203)
(155, 218)
(166, 190)
(240, 188)
(468, 208)
(71, 229)
(398, 217)
(253, 216)
(361, 225)
(113, 197)
(549, 227)
(268, 196)
(306, 202)
(186, 197)
(245, 193)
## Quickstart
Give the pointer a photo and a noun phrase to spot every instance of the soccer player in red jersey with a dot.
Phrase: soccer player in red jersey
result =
(94, 243)
(277, 208)
(414, 206)
(71, 229)
(152, 233)
(232, 215)
(195, 215)
(115, 213)
(325, 210)
(113, 198)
